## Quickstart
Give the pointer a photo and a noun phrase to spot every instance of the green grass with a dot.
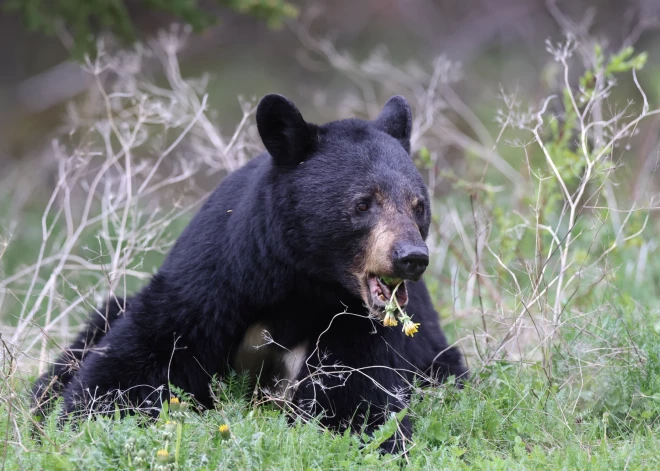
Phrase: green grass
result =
(506, 418)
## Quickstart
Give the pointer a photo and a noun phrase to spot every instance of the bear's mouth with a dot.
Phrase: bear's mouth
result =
(380, 291)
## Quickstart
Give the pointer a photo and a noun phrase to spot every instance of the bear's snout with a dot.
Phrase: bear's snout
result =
(410, 261)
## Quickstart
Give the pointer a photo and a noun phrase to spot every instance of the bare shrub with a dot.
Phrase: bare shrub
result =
(129, 163)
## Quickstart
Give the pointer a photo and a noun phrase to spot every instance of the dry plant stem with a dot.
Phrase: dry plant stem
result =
(573, 200)
(477, 269)
(106, 183)
(456, 252)
(591, 128)
(7, 354)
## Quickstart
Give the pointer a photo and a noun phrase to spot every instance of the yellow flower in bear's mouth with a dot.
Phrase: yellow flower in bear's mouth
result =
(393, 311)
(410, 328)
(390, 320)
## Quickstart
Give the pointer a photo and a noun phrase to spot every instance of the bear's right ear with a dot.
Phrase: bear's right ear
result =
(288, 138)
(396, 120)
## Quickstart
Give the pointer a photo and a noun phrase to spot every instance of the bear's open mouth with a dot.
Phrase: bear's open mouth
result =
(380, 291)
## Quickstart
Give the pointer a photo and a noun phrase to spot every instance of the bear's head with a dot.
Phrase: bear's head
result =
(353, 206)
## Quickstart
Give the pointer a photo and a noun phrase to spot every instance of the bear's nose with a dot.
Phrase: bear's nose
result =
(410, 261)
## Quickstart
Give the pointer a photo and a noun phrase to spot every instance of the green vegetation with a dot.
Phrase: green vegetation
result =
(85, 19)
(506, 419)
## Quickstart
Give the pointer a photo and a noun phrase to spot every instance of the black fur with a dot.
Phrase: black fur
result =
(278, 242)
(50, 385)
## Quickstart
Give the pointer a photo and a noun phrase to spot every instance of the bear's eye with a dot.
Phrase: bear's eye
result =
(419, 209)
(362, 207)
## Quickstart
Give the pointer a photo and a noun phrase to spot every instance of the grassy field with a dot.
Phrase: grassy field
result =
(507, 417)
(543, 270)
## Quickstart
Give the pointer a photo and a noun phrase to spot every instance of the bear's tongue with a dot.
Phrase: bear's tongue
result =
(381, 291)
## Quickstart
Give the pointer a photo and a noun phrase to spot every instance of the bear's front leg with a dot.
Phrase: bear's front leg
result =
(132, 368)
(355, 380)
(432, 359)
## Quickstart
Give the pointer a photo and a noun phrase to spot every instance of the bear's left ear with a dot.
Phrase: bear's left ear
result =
(288, 138)
(396, 120)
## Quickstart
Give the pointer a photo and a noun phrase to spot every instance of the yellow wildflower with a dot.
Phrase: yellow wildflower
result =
(162, 456)
(390, 320)
(410, 328)
(170, 426)
(224, 431)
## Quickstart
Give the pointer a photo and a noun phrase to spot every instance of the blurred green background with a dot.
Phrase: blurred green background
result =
(497, 41)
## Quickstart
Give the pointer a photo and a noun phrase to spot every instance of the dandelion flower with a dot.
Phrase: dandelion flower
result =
(394, 313)
(224, 431)
(177, 406)
(390, 320)
(170, 427)
(410, 328)
(162, 456)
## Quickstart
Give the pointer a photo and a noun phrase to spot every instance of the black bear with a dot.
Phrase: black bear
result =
(285, 271)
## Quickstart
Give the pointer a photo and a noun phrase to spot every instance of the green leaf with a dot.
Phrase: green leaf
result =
(85, 19)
